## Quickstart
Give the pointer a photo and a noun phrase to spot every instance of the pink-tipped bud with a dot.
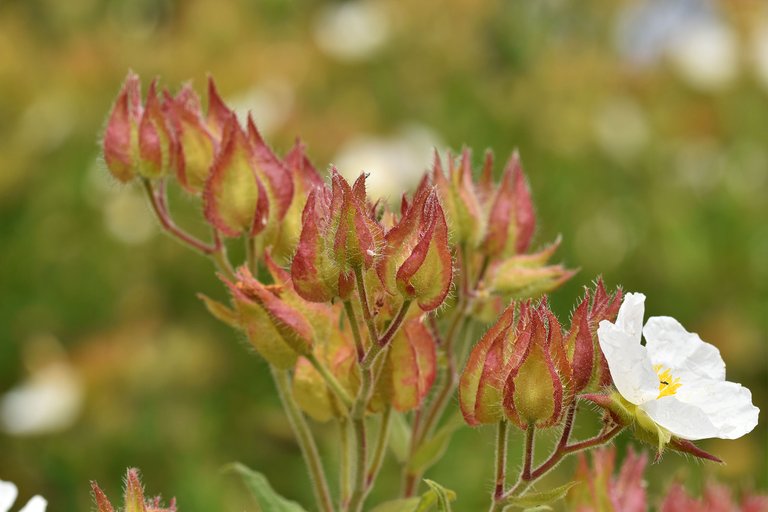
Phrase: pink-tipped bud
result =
(134, 492)
(121, 137)
(156, 142)
(533, 392)
(218, 111)
(235, 200)
(458, 195)
(411, 365)
(527, 276)
(195, 145)
(511, 221)
(481, 385)
(102, 502)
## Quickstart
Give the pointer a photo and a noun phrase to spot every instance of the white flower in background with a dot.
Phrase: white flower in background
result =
(8, 494)
(677, 379)
(760, 53)
(352, 31)
(706, 55)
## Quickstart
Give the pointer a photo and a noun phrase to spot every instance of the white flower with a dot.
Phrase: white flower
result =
(8, 493)
(677, 379)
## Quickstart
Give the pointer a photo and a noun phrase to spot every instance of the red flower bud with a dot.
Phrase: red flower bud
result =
(337, 234)
(218, 112)
(235, 199)
(195, 145)
(426, 273)
(458, 195)
(156, 142)
(411, 364)
(533, 392)
(121, 137)
(511, 221)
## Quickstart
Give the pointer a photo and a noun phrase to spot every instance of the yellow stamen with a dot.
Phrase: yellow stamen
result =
(668, 385)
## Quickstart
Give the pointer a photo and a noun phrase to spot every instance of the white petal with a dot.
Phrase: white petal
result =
(728, 406)
(629, 363)
(35, 504)
(8, 493)
(684, 353)
(630, 317)
(704, 409)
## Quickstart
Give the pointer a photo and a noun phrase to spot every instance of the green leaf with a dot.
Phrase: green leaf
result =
(266, 497)
(401, 505)
(432, 450)
(538, 499)
(444, 496)
(399, 437)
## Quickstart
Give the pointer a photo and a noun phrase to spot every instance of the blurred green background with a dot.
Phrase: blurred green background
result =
(642, 127)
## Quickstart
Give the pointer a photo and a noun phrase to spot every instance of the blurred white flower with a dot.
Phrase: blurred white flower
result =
(677, 379)
(706, 55)
(8, 494)
(352, 31)
(621, 128)
(394, 164)
(269, 102)
(49, 400)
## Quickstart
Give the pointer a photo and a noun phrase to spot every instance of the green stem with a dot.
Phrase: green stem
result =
(330, 380)
(376, 348)
(501, 459)
(359, 491)
(250, 254)
(345, 482)
(525, 480)
(367, 315)
(352, 317)
(305, 440)
(381, 448)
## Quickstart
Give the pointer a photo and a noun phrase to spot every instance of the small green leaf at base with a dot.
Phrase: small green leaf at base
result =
(536, 500)
(401, 505)
(266, 497)
(444, 496)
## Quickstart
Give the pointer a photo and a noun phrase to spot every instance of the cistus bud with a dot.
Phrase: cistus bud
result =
(121, 137)
(278, 331)
(590, 370)
(156, 141)
(411, 364)
(533, 392)
(511, 220)
(527, 276)
(458, 195)
(337, 235)
(305, 178)
(134, 500)
(195, 144)
(235, 200)
(481, 384)
(417, 259)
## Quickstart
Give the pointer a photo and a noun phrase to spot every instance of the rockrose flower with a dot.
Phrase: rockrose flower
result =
(8, 494)
(675, 379)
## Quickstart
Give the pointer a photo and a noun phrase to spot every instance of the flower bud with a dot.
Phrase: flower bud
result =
(133, 499)
(305, 178)
(411, 364)
(276, 329)
(235, 200)
(417, 260)
(195, 145)
(337, 235)
(511, 221)
(156, 143)
(458, 195)
(218, 112)
(527, 276)
(121, 137)
(482, 382)
(533, 392)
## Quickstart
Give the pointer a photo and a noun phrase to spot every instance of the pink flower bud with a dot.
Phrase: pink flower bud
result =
(121, 137)
(511, 221)
(533, 392)
(195, 145)
(235, 199)
(156, 142)
(458, 195)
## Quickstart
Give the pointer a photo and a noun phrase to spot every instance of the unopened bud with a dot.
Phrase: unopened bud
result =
(121, 137)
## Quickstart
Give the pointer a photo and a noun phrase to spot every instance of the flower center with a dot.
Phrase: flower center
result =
(668, 385)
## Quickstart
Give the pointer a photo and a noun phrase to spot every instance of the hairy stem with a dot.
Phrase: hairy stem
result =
(345, 466)
(376, 348)
(352, 317)
(367, 315)
(380, 450)
(501, 459)
(330, 380)
(305, 440)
